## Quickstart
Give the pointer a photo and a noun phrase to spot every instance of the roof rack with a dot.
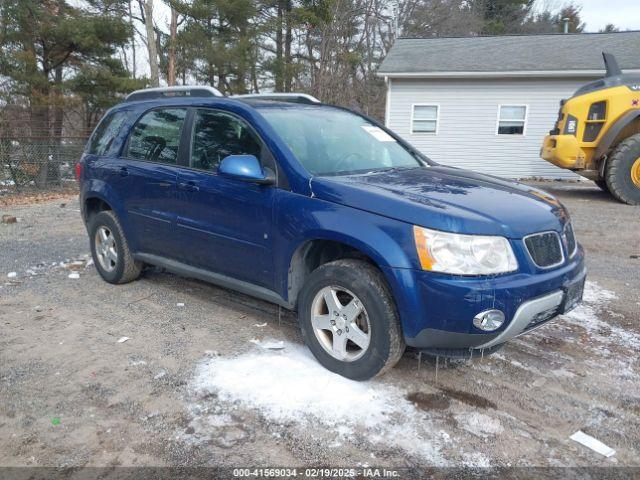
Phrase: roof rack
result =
(176, 91)
(281, 97)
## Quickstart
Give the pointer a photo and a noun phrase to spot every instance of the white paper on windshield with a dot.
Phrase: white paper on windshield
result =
(378, 133)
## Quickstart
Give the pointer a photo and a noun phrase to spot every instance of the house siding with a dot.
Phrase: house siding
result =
(468, 113)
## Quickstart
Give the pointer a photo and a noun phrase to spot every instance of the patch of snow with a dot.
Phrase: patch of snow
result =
(562, 373)
(586, 315)
(479, 424)
(475, 460)
(290, 386)
(515, 363)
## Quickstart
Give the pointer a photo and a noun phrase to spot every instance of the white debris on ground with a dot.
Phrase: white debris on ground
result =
(73, 266)
(592, 443)
(290, 386)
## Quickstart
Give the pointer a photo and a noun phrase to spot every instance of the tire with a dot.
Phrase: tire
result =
(124, 269)
(378, 321)
(623, 162)
(601, 182)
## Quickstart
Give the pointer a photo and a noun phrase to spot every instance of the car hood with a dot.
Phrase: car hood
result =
(448, 199)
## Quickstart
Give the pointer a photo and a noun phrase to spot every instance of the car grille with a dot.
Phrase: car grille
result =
(569, 239)
(545, 249)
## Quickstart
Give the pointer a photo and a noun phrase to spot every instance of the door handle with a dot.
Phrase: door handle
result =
(189, 186)
(124, 171)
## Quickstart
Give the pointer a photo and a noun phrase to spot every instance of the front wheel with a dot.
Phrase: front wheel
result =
(623, 171)
(349, 320)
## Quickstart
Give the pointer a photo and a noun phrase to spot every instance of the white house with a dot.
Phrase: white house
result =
(486, 103)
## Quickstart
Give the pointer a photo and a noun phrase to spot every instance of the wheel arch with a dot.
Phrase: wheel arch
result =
(319, 250)
(93, 205)
(97, 196)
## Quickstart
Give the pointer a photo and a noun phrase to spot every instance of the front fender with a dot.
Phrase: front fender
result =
(300, 219)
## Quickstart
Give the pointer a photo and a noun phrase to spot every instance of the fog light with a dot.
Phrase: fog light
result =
(489, 320)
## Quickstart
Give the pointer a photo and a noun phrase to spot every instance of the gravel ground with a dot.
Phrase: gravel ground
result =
(194, 386)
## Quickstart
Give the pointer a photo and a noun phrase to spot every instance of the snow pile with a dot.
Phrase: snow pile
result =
(586, 315)
(290, 386)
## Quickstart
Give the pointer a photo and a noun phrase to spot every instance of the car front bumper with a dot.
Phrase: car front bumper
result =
(437, 311)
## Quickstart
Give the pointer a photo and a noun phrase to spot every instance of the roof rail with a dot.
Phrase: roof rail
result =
(281, 97)
(176, 91)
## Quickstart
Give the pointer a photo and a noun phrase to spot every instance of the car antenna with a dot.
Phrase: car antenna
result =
(611, 65)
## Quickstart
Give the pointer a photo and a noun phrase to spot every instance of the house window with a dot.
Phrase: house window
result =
(424, 119)
(512, 119)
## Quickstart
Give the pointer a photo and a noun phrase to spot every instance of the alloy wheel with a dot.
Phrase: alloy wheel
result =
(340, 323)
(106, 249)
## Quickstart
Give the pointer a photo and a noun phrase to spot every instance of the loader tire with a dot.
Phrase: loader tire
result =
(622, 173)
(602, 183)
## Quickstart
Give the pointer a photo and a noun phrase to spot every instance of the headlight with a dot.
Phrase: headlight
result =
(463, 254)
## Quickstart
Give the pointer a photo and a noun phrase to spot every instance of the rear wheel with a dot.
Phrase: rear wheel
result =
(623, 171)
(110, 249)
(349, 320)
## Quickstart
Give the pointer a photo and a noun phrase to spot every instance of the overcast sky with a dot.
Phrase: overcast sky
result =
(624, 14)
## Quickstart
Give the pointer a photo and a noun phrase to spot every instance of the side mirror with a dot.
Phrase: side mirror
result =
(246, 168)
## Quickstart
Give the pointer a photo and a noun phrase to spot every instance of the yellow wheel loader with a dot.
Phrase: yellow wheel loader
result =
(598, 133)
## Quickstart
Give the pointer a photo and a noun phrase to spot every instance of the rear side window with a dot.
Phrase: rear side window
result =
(217, 135)
(156, 136)
(105, 133)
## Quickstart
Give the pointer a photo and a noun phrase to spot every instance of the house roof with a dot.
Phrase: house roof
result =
(511, 55)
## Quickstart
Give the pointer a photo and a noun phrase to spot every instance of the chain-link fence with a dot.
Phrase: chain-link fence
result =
(38, 163)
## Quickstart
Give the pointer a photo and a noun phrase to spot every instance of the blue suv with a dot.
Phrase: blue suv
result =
(324, 211)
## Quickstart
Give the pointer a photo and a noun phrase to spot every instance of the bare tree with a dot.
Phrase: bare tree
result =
(173, 33)
(154, 78)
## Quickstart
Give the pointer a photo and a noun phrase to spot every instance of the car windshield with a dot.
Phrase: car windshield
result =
(329, 141)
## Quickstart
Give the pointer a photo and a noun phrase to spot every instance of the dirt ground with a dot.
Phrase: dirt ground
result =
(195, 384)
